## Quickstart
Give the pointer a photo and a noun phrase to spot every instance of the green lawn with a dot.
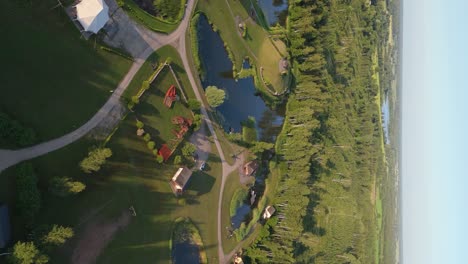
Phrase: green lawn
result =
(232, 184)
(256, 45)
(52, 80)
(132, 177)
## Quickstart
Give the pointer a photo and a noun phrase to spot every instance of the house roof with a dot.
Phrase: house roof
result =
(270, 210)
(5, 228)
(250, 167)
(92, 14)
(182, 176)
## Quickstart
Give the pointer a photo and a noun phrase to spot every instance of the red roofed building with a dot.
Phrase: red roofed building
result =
(165, 152)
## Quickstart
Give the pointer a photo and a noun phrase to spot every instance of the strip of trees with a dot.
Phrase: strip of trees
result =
(329, 150)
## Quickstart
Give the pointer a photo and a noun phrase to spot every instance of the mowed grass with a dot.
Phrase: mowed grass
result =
(132, 177)
(232, 184)
(52, 80)
(256, 45)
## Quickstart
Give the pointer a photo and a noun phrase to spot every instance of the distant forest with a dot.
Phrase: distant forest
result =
(330, 150)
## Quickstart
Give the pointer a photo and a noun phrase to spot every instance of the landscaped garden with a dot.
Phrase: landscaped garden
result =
(52, 79)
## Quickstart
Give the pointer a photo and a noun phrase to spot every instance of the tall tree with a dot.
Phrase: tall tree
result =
(215, 96)
(64, 186)
(27, 253)
(96, 158)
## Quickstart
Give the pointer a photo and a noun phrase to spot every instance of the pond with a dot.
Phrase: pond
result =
(275, 11)
(386, 118)
(185, 253)
(242, 100)
(241, 214)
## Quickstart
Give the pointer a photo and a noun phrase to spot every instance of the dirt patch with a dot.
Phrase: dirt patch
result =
(95, 237)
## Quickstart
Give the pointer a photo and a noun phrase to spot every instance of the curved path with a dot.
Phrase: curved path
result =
(155, 41)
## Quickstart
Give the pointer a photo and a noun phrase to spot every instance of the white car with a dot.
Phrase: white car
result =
(202, 166)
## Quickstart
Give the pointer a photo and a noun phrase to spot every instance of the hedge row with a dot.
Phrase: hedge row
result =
(12, 131)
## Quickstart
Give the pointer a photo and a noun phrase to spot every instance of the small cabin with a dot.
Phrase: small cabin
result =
(5, 228)
(180, 179)
(250, 168)
(283, 66)
(269, 211)
(238, 260)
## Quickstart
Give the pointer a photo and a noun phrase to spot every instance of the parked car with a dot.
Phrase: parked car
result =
(202, 166)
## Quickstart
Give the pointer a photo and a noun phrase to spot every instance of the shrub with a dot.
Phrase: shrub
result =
(159, 159)
(63, 186)
(145, 85)
(57, 236)
(135, 99)
(147, 137)
(177, 160)
(188, 150)
(139, 124)
(155, 152)
(194, 104)
(151, 145)
(96, 158)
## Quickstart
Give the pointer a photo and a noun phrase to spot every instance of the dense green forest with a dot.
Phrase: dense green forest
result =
(330, 149)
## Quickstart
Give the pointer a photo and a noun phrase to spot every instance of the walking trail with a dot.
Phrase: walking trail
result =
(152, 42)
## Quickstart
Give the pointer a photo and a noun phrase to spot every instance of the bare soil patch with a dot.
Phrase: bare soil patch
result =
(95, 237)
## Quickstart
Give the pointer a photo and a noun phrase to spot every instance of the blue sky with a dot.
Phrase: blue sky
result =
(434, 132)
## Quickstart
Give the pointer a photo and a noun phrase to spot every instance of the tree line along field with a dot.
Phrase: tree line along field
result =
(52, 80)
(327, 198)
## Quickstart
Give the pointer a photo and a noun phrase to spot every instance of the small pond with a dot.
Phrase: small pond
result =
(185, 253)
(241, 99)
(275, 11)
(240, 216)
(386, 118)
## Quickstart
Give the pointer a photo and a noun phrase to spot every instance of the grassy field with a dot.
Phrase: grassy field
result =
(232, 185)
(52, 80)
(132, 177)
(256, 45)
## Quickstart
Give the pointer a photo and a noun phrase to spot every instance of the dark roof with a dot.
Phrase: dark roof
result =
(182, 176)
(5, 229)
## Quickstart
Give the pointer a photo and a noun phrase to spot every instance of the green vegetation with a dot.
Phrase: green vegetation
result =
(249, 131)
(194, 44)
(28, 196)
(255, 44)
(170, 10)
(27, 253)
(330, 147)
(215, 96)
(13, 134)
(188, 150)
(64, 186)
(237, 200)
(95, 159)
(186, 232)
(54, 80)
(57, 236)
(150, 21)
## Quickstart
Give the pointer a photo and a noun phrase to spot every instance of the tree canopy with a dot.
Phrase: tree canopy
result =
(64, 186)
(96, 158)
(215, 96)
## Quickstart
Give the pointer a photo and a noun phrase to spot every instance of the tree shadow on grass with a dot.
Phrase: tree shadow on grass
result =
(201, 183)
